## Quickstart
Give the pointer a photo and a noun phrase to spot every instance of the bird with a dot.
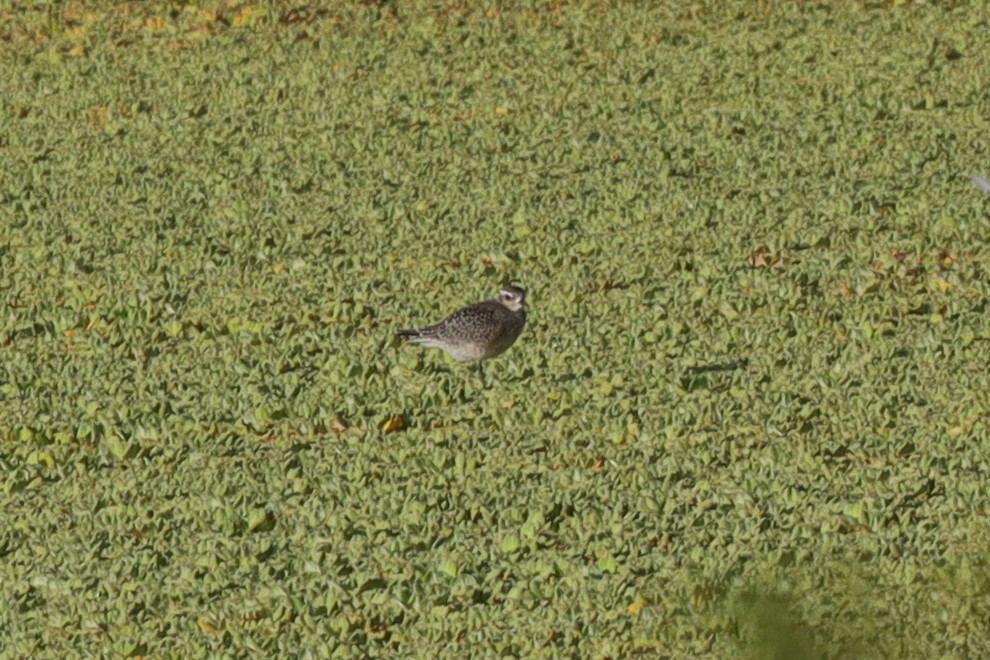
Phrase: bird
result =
(479, 331)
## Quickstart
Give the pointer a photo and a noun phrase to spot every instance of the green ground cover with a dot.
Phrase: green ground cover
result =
(748, 417)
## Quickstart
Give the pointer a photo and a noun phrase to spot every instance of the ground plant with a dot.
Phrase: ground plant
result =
(748, 415)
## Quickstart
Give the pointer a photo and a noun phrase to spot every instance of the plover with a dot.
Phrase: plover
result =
(478, 331)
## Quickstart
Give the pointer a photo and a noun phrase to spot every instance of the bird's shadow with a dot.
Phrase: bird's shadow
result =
(705, 376)
(741, 363)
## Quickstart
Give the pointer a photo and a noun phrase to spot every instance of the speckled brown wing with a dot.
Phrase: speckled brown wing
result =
(475, 332)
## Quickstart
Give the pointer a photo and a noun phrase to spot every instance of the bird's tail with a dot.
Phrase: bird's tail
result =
(425, 337)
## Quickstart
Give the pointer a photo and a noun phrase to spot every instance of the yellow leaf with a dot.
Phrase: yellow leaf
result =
(243, 16)
(206, 626)
(98, 117)
(956, 430)
(154, 24)
(636, 606)
(760, 258)
(41, 458)
(208, 15)
(395, 423)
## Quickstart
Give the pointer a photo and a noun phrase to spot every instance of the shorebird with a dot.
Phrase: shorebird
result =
(479, 331)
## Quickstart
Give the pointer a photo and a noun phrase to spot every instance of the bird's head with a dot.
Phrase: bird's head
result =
(512, 297)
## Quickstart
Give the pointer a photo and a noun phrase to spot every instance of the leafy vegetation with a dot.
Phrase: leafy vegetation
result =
(749, 414)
